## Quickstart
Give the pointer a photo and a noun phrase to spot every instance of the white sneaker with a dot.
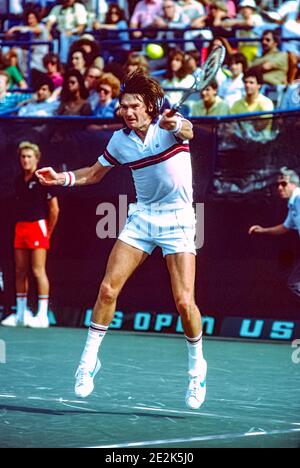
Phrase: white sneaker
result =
(196, 391)
(37, 322)
(84, 384)
(11, 320)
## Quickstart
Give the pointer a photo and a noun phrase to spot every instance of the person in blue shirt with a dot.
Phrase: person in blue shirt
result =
(288, 189)
(9, 102)
(291, 98)
(43, 104)
(108, 89)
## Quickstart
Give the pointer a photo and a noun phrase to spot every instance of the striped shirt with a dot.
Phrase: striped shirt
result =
(160, 165)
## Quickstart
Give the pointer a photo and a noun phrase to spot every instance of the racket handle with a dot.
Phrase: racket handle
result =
(172, 112)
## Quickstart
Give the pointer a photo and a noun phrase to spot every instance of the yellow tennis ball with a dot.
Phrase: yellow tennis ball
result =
(154, 51)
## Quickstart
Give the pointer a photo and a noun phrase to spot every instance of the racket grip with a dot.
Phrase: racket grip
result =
(172, 112)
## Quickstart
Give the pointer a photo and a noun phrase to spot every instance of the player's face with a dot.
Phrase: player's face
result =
(285, 187)
(134, 112)
(28, 159)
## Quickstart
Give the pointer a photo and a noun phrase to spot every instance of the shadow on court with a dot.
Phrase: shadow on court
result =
(252, 401)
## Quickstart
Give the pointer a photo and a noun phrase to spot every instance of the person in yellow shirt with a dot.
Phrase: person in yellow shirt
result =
(211, 103)
(273, 64)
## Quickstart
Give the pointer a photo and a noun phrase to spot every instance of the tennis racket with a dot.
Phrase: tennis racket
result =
(202, 78)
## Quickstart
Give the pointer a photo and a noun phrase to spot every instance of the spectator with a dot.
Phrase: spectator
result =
(245, 23)
(110, 30)
(192, 9)
(291, 97)
(144, 14)
(273, 63)
(211, 103)
(53, 68)
(291, 29)
(9, 102)
(171, 17)
(70, 19)
(136, 60)
(9, 63)
(42, 105)
(108, 90)
(74, 96)
(233, 88)
(78, 60)
(218, 13)
(92, 77)
(91, 49)
(38, 32)
(223, 71)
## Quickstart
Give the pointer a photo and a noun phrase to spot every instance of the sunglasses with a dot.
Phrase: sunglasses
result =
(282, 184)
(105, 91)
(72, 82)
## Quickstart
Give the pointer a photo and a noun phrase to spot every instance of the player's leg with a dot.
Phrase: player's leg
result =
(22, 257)
(123, 261)
(38, 265)
(182, 268)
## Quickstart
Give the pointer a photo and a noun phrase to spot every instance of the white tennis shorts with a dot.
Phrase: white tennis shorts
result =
(173, 230)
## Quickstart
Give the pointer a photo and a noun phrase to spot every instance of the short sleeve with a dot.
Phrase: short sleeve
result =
(110, 156)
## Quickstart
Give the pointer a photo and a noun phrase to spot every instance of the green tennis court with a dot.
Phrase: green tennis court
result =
(253, 397)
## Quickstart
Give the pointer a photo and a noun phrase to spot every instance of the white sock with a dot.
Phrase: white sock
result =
(43, 302)
(95, 336)
(195, 355)
(21, 306)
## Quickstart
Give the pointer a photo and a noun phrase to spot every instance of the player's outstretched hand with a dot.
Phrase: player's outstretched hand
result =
(256, 230)
(168, 123)
(47, 176)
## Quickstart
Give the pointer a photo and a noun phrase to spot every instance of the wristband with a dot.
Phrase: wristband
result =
(69, 179)
(178, 127)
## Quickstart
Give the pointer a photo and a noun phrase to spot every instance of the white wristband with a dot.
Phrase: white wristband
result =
(69, 179)
(178, 127)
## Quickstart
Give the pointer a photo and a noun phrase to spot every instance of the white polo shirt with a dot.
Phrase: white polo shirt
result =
(161, 165)
(293, 218)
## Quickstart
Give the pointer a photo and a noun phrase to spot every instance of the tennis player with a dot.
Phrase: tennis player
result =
(156, 149)
(37, 215)
(288, 189)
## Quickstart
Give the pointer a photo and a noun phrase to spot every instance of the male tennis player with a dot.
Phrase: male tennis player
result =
(157, 151)
(288, 189)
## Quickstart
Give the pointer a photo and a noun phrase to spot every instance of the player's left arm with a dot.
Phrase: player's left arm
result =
(53, 215)
(181, 127)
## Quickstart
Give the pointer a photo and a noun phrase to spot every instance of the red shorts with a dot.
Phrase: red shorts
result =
(32, 235)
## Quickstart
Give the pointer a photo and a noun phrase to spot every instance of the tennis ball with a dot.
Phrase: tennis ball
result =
(154, 51)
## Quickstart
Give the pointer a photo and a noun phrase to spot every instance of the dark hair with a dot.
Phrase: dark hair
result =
(32, 11)
(84, 55)
(138, 83)
(239, 58)
(65, 94)
(121, 13)
(44, 80)
(275, 34)
(183, 70)
(88, 57)
(253, 72)
(51, 57)
(213, 84)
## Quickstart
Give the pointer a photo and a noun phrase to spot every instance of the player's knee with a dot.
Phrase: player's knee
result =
(108, 294)
(21, 272)
(185, 307)
(38, 272)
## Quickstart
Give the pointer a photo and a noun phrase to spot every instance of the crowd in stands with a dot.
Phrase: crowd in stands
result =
(68, 57)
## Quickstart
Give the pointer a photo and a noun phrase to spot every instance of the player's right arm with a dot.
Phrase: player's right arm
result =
(85, 176)
(273, 231)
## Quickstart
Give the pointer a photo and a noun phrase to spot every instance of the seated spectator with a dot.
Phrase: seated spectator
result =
(177, 76)
(233, 88)
(291, 29)
(223, 73)
(171, 17)
(53, 68)
(88, 44)
(273, 64)
(218, 13)
(108, 90)
(143, 15)
(247, 20)
(9, 63)
(211, 103)
(70, 19)
(114, 22)
(9, 102)
(78, 60)
(74, 96)
(91, 81)
(136, 60)
(39, 32)
(192, 60)
(42, 104)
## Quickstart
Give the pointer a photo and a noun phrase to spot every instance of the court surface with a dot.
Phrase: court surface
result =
(253, 397)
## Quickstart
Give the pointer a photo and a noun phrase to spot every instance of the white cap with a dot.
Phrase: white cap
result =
(248, 3)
